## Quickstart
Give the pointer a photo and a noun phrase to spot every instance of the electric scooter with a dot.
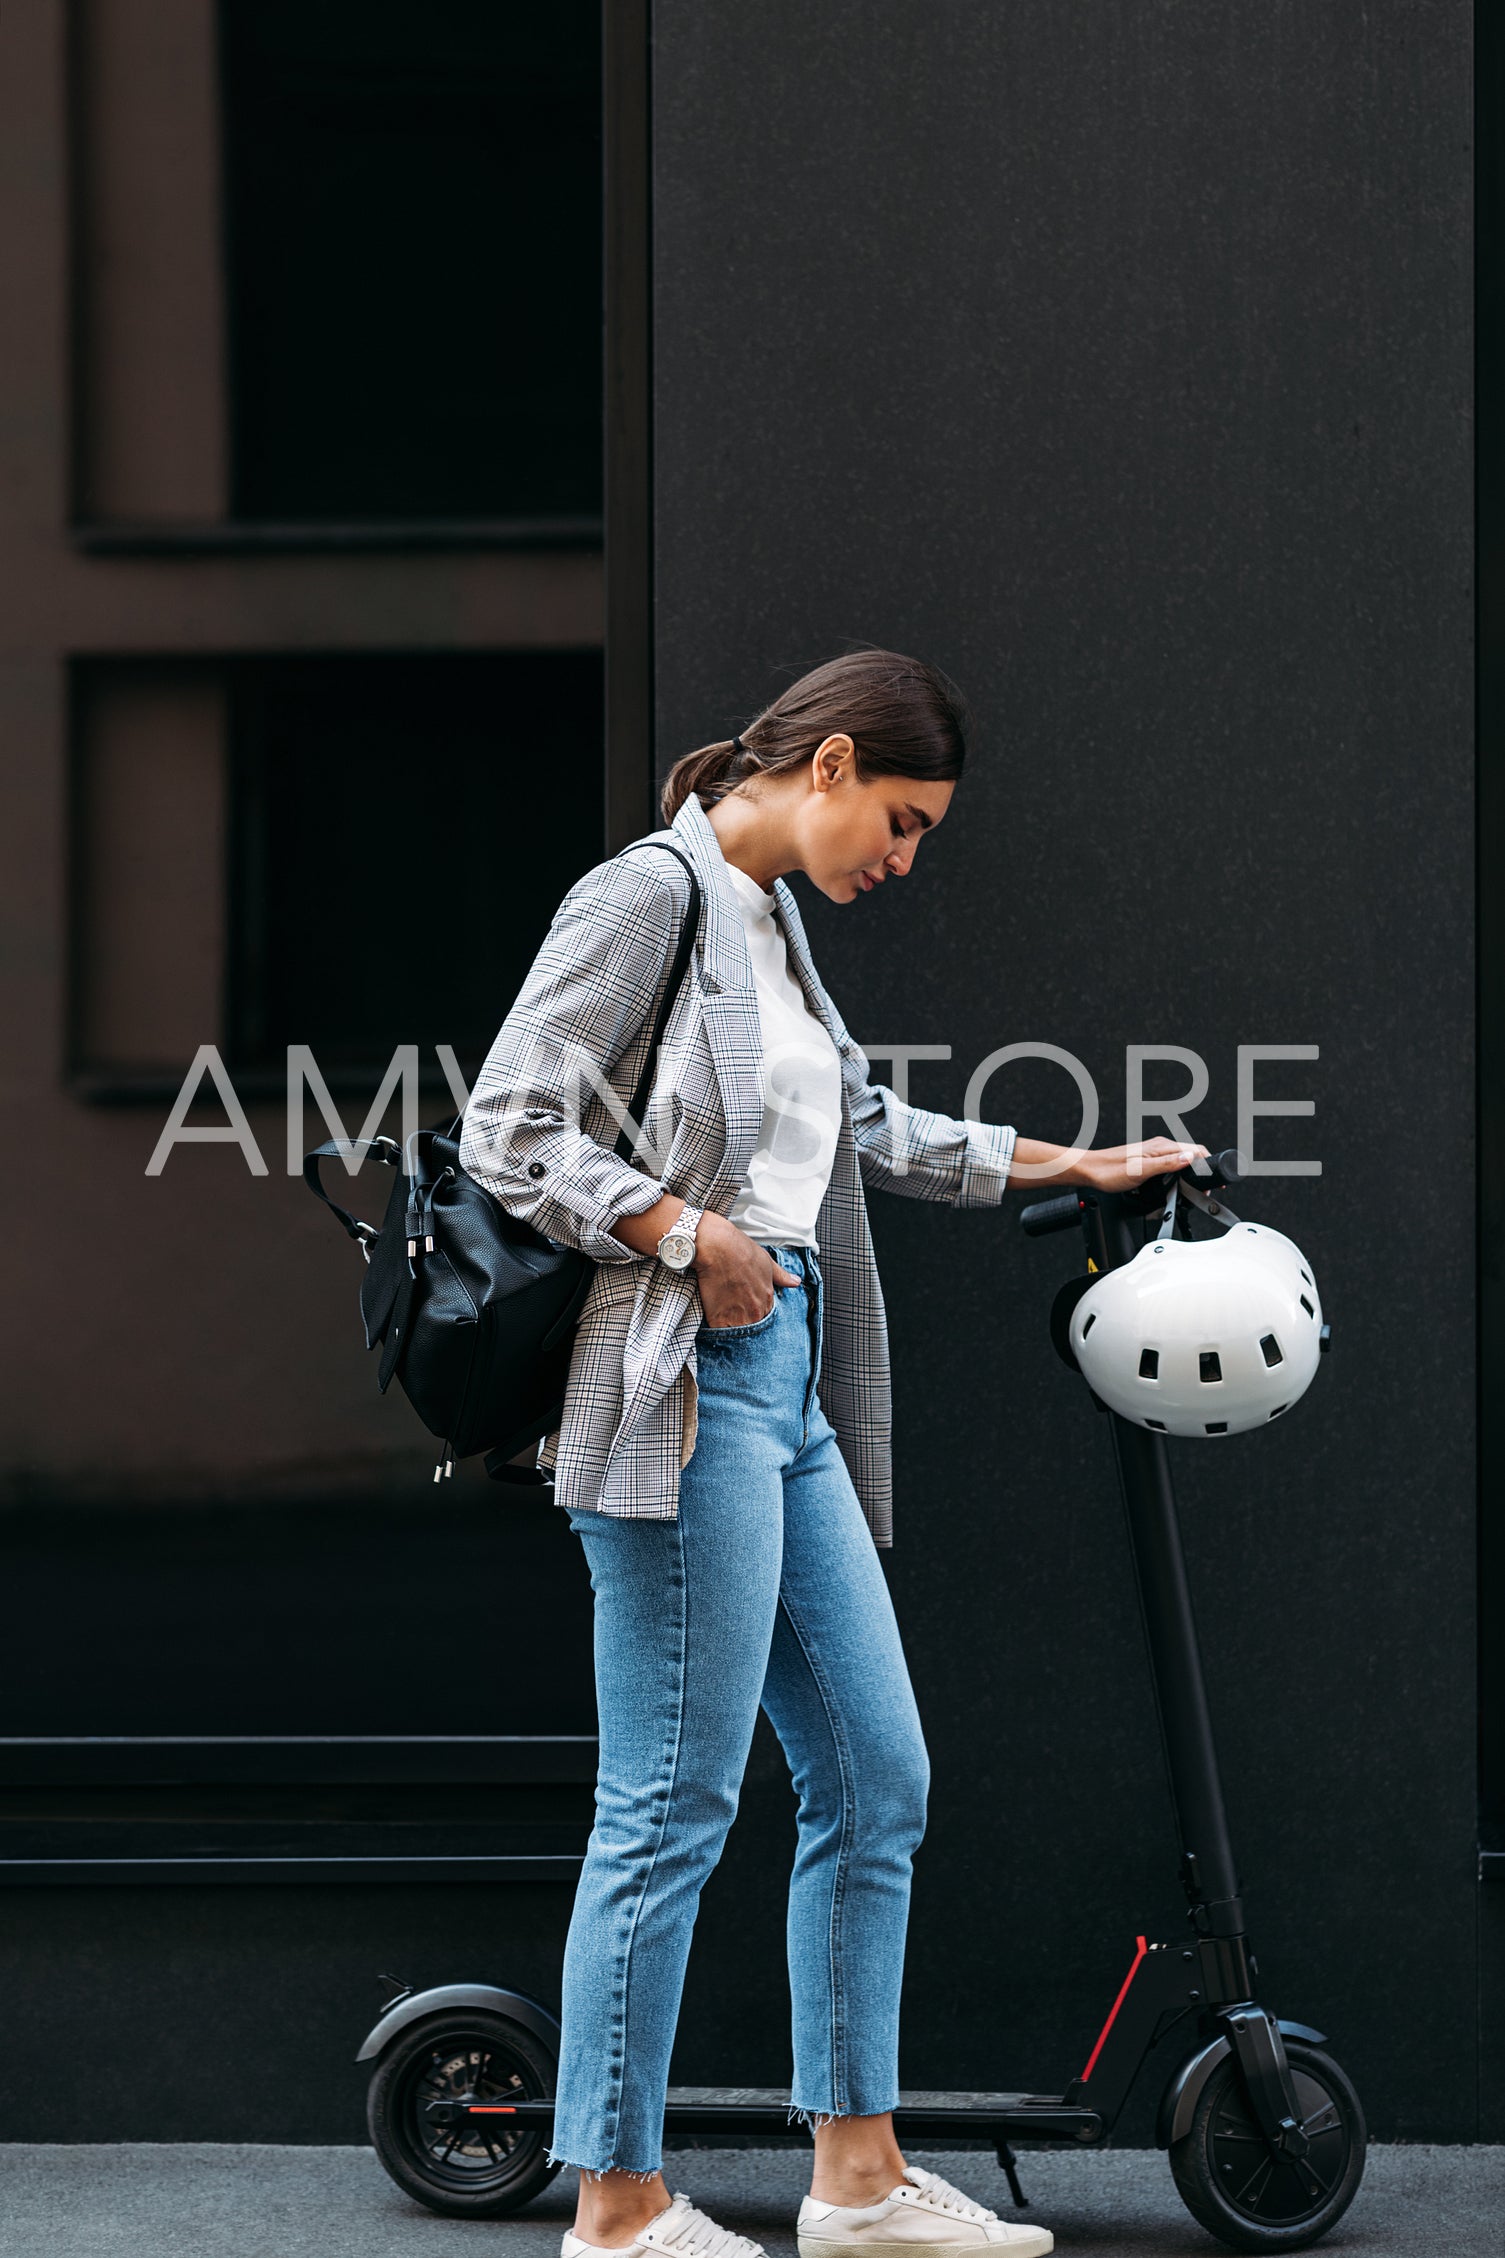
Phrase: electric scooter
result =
(1265, 2133)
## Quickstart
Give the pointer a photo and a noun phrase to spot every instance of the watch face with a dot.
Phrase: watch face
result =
(678, 1251)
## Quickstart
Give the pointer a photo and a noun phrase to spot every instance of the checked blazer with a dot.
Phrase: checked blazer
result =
(546, 1110)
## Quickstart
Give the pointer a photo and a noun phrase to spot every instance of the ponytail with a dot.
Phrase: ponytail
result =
(710, 773)
(904, 717)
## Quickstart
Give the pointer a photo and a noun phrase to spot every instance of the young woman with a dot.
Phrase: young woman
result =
(724, 1448)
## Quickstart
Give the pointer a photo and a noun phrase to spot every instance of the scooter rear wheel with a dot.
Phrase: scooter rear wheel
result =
(474, 2171)
(1233, 2186)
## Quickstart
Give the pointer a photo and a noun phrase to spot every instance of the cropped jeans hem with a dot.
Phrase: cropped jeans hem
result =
(816, 2118)
(598, 2171)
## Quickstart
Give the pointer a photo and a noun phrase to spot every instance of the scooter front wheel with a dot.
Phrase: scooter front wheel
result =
(1231, 2183)
(476, 2170)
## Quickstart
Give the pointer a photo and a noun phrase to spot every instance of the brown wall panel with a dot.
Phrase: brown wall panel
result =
(148, 881)
(149, 293)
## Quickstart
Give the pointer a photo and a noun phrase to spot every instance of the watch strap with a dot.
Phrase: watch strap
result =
(685, 1225)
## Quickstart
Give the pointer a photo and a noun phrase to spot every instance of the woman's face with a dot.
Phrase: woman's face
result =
(855, 835)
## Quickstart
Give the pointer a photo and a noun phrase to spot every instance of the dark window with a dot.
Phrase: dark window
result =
(404, 829)
(413, 200)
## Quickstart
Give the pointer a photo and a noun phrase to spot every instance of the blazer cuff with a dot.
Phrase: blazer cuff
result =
(985, 1169)
(632, 1194)
(561, 1182)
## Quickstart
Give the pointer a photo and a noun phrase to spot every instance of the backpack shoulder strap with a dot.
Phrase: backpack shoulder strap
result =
(677, 971)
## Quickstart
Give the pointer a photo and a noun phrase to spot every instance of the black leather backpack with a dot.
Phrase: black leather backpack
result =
(474, 1311)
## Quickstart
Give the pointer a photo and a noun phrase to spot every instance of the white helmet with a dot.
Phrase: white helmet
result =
(1202, 1336)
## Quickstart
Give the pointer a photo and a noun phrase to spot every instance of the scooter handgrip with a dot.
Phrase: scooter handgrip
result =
(1051, 1215)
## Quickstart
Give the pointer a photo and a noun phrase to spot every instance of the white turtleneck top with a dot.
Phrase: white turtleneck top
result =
(789, 1171)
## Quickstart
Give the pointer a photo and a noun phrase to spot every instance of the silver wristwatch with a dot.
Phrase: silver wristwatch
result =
(676, 1249)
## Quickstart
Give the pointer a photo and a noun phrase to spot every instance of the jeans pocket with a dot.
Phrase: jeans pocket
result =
(708, 1336)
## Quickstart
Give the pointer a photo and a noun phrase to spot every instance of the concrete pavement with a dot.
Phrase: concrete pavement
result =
(202, 2201)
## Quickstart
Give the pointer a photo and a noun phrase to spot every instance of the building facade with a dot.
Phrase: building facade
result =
(1120, 361)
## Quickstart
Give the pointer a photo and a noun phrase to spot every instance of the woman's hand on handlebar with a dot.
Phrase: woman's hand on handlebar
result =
(1110, 1168)
(1123, 1168)
(737, 1278)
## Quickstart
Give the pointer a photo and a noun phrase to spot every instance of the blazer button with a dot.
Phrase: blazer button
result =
(535, 1168)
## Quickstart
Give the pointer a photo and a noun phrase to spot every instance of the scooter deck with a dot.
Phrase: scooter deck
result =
(929, 2116)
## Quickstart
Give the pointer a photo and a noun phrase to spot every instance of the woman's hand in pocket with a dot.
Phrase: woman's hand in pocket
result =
(737, 1278)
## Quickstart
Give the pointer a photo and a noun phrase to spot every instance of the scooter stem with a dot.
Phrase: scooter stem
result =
(1208, 1871)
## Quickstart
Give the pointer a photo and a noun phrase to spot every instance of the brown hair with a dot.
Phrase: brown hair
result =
(904, 719)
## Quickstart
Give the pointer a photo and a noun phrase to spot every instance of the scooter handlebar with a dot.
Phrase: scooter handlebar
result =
(1051, 1215)
(1227, 1168)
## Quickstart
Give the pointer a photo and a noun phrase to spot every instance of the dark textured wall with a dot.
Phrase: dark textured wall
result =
(1118, 358)
(235, 2013)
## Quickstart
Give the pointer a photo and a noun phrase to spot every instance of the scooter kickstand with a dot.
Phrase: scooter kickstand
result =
(1008, 2164)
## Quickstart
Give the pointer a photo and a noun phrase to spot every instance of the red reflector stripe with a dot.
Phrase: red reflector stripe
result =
(491, 2109)
(1123, 1993)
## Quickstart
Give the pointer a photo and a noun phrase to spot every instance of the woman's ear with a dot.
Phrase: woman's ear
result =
(833, 760)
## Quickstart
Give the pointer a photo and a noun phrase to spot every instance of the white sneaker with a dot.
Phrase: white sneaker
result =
(924, 2217)
(681, 2230)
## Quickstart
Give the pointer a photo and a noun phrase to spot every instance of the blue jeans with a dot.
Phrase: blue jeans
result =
(766, 1589)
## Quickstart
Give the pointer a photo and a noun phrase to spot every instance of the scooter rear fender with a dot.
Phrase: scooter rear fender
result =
(414, 2005)
(1179, 2101)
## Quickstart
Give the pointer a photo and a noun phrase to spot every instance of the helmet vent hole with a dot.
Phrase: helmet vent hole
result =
(1217, 1427)
(1306, 1305)
(1270, 1348)
(1209, 1365)
(1157, 1424)
(1091, 1321)
(1279, 1408)
(1306, 1274)
(1149, 1364)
